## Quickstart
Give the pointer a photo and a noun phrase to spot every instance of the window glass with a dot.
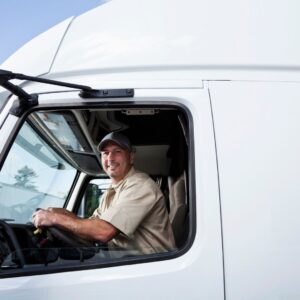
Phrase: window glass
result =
(92, 196)
(33, 176)
(63, 127)
(52, 148)
(3, 97)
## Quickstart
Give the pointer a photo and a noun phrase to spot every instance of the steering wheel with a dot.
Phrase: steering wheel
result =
(68, 238)
(74, 246)
(14, 242)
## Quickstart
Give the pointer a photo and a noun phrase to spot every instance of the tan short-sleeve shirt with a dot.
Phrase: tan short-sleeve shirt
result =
(136, 207)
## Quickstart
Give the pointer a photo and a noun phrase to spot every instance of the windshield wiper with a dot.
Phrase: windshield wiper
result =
(5, 76)
(29, 100)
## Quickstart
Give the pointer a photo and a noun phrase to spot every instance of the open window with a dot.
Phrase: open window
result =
(55, 148)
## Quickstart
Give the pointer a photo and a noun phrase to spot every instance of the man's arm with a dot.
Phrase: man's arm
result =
(90, 229)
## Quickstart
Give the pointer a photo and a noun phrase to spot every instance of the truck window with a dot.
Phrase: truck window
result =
(53, 151)
(3, 97)
(33, 176)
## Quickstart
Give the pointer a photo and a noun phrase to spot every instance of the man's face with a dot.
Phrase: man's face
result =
(116, 161)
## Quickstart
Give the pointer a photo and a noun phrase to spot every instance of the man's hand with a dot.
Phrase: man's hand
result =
(43, 217)
(90, 229)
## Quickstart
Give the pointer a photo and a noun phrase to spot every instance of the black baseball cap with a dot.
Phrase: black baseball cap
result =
(117, 138)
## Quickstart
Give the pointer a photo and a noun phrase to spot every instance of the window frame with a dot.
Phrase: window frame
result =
(191, 191)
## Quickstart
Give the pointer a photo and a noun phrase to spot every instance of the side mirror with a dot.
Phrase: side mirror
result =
(91, 199)
(92, 195)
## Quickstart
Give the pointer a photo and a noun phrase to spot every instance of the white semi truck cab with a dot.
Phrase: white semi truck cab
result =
(208, 93)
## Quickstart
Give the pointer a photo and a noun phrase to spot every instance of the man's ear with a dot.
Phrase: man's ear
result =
(131, 158)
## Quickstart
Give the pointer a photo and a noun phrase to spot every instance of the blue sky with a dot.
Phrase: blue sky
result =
(22, 20)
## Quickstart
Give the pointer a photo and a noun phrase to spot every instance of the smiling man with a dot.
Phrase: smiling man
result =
(132, 214)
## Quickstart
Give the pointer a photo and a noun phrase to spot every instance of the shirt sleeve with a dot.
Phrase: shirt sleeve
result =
(135, 201)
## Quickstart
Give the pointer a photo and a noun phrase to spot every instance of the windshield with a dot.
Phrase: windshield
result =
(33, 176)
(3, 97)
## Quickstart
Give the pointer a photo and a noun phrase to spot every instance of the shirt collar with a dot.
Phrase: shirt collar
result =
(117, 185)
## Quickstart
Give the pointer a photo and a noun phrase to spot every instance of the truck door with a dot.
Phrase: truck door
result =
(172, 130)
(257, 134)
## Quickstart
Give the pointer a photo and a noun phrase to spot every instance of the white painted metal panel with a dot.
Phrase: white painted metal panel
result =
(196, 274)
(6, 130)
(135, 34)
(257, 132)
(35, 57)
